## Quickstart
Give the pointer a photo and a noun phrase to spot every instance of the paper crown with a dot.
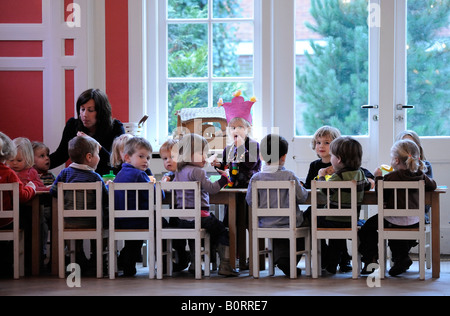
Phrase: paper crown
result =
(238, 107)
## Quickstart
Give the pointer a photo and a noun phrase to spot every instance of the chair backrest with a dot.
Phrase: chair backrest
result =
(176, 191)
(401, 199)
(138, 200)
(9, 203)
(80, 200)
(274, 199)
(321, 205)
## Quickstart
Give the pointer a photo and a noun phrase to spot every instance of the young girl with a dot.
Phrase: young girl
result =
(407, 165)
(427, 169)
(192, 151)
(242, 156)
(117, 152)
(23, 163)
(346, 155)
(7, 175)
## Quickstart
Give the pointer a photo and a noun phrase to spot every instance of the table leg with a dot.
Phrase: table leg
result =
(54, 236)
(36, 236)
(241, 231)
(435, 236)
(232, 228)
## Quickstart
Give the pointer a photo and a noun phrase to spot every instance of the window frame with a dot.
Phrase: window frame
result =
(156, 76)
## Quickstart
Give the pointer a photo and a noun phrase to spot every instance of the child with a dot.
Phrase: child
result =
(192, 153)
(273, 170)
(117, 152)
(84, 154)
(346, 155)
(321, 145)
(241, 158)
(408, 166)
(7, 175)
(136, 156)
(23, 163)
(427, 169)
(42, 165)
(169, 157)
(26, 193)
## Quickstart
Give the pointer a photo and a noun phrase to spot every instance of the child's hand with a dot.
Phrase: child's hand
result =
(223, 173)
(108, 182)
(165, 179)
(32, 185)
(378, 173)
(326, 171)
(81, 134)
(239, 140)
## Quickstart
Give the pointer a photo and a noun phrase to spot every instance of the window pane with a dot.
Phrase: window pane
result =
(185, 95)
(187, 50)
(225, 90)
(331, 66)
(428, 55)
(233, 8)
(233, 49)
(187, 9)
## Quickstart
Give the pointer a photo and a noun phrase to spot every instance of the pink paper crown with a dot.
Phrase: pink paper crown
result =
(238, 107)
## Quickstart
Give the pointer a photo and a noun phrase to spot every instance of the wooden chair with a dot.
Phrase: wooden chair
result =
(272, 207)
(80, 200)
(115, 234)
(10, 192)
(322, 197)
(419, 233)
(197, 233)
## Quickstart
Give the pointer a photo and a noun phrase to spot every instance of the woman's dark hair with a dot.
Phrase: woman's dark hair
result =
(102, 107)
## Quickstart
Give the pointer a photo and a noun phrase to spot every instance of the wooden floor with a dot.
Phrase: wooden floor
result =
(183, 283)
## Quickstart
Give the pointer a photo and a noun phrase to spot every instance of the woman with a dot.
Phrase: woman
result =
(94, 119)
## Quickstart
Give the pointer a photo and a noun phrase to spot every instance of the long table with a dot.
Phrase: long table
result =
(237, 223)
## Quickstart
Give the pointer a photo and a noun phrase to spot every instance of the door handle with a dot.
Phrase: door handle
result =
(369, 106)
(404, 106)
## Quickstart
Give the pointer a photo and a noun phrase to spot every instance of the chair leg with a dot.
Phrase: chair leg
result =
(145, 254)
(198, 259)
(151, 258)
(207, 256)
(270, 257)
(315, 258)
(159, 259)
(382, 257)
(112, 259)
(422, 259)
(308, 254)
(355, 261)
(293, 257)
(255, 257)
(99, 257)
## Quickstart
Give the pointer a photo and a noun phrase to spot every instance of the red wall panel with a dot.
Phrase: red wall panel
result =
(20, 48)
(21, 11)
(22, 104)
(116, 37)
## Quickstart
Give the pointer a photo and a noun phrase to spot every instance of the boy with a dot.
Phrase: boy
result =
(274, 149)
(137, 153)
(346, 156)
(84, 154)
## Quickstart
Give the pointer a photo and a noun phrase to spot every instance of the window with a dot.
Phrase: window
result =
(332, 66)
(209, 53)
(428, 60)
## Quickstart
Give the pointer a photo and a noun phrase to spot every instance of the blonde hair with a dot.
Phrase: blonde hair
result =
(168, 145)
(325, 131)
(118, 146)
(7, 148)
(415, 138)
(408, 153)
(23, 145)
